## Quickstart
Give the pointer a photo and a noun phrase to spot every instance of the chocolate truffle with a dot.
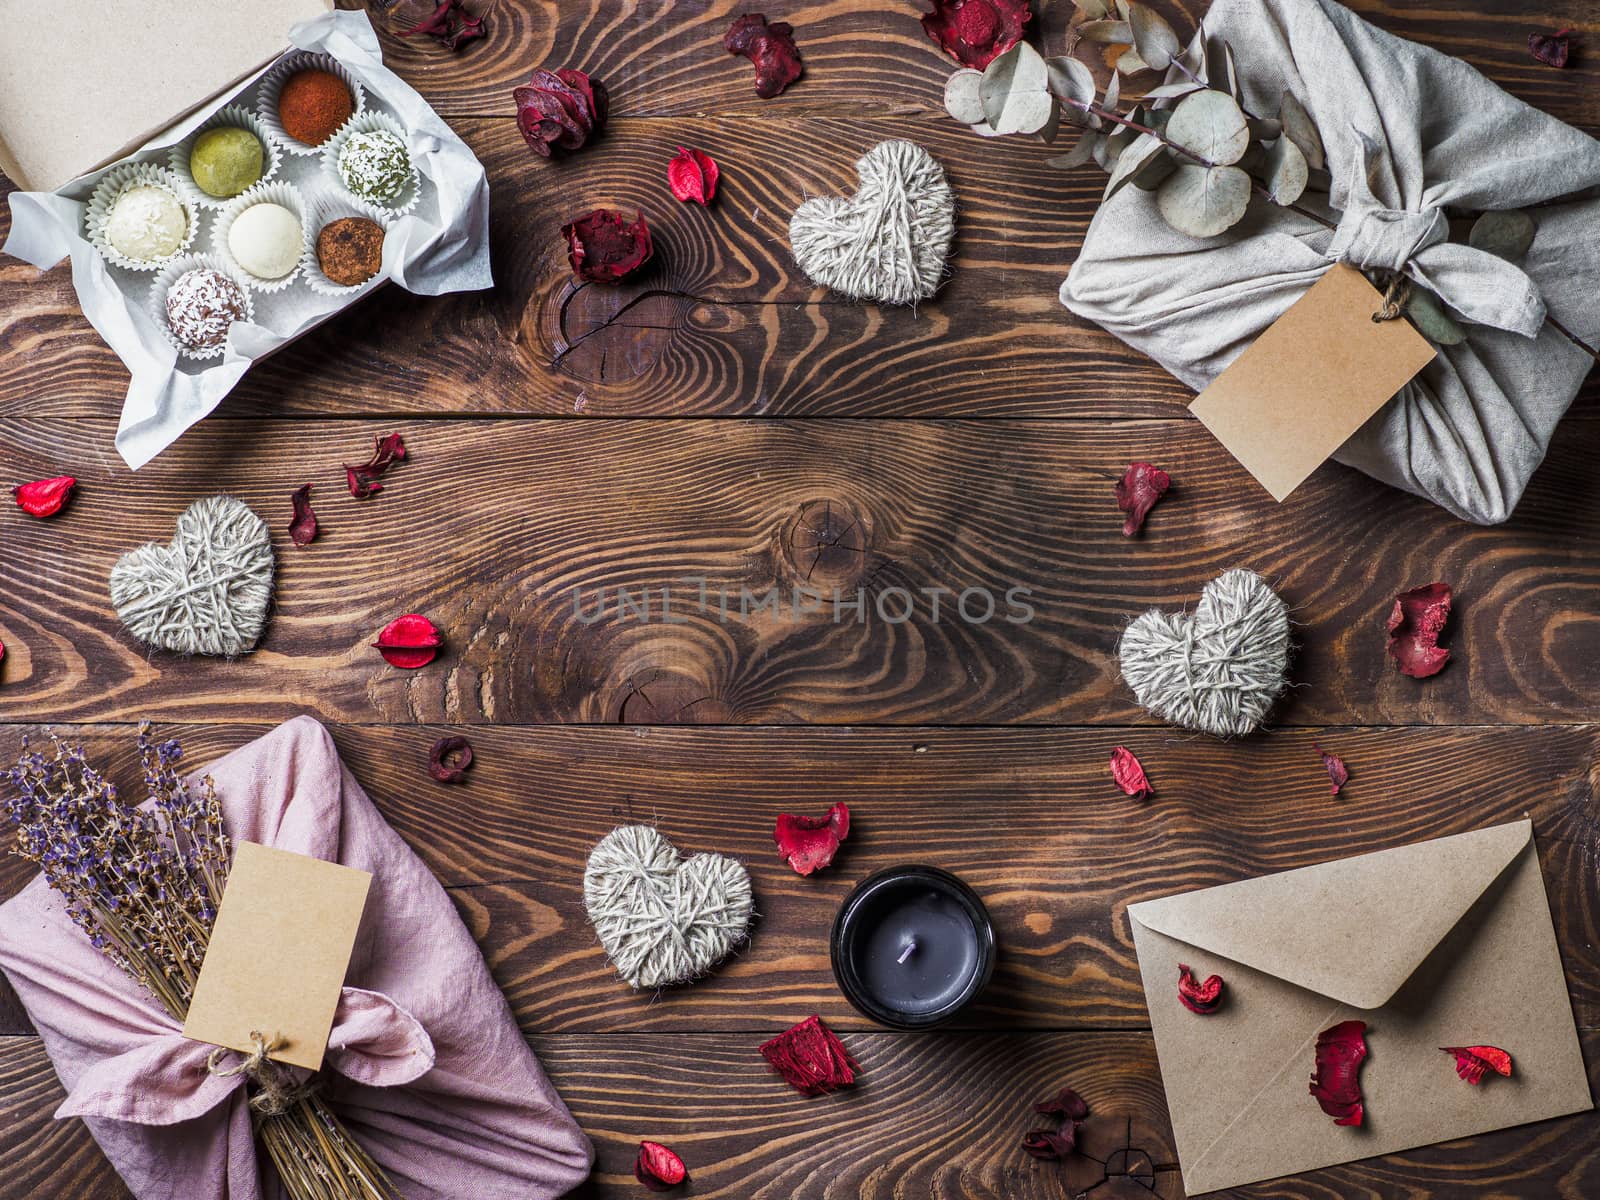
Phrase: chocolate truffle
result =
(146, 223)
(375, 166)
(266, 240)
(226, 160)
(350, 250)
(201, 305)
(313, 104)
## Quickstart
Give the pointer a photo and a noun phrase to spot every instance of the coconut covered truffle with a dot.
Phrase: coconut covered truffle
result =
(313, 104)
(226, 160)
(375, 166)
(266, 240)
(146, 223)
(350, 250)
(201, 305)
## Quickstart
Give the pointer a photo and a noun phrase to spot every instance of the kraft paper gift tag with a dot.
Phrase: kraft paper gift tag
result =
(278, 954)
(1313, 378)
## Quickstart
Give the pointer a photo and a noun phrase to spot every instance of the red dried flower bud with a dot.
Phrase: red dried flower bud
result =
(451, 23)
(303, 528)
(1473, 1061)
(658, 1167)
(1336, 1080)
(1415, 623)
(449, 759)
(770, 47)
(1129, 774)
(811, 1058)
(410, 641)
(692, 175)
(1197, 996)
(45, 497)
(363, 480)
(1041, 1143)
(809, 843)
(1066, 1104)
(561, 110)
(1338, 773)
(976, 32)
(1552, 49)
(604, 248)
(1138, 490)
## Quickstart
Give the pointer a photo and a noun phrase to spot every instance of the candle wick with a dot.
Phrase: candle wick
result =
(906, 953)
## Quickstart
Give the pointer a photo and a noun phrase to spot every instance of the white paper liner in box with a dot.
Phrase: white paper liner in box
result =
(113, 183)
(369, 123)
(324, 211)
(170, 275)
(272, 85)
(285, 194)
(235, 116)
(441, 246)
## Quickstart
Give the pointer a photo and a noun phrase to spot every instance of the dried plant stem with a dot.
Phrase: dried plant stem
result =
(318, 1159)
(1572, 337)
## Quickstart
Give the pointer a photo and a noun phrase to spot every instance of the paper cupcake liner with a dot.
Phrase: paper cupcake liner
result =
(232, 115)
(118, 180)
(170, 274)
(272, 85)
(285, 194)
(324, 211)
(366, 123)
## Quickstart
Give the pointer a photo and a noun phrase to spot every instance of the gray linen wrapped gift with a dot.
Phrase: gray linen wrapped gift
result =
(1408, 132)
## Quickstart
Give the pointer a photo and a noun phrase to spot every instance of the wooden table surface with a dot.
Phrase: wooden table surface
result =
(724, 420)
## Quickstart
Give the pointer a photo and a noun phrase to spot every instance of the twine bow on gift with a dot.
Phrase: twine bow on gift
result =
(1479, 285)
(276, 1093)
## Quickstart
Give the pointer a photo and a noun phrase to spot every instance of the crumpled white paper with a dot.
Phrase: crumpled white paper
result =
(441, 246)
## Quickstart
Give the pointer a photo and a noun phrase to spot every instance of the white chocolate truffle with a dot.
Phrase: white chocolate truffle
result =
(266, 240)
(146, 223)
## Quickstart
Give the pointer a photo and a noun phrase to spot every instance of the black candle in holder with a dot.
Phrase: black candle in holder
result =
(912, 946)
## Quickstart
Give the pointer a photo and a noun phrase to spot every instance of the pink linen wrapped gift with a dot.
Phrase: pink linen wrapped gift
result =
(425, 1064)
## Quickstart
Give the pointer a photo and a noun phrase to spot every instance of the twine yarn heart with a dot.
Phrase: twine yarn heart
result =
(662, 918)
(208, 590)
(890, 240)
(1217, 670)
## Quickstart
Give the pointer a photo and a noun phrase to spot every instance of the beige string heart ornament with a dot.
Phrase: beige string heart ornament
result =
(889, 241)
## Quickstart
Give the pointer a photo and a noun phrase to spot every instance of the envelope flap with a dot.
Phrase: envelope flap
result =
(1353, 930)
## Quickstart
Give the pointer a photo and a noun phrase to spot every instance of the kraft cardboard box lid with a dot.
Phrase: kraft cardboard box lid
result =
(83, 82)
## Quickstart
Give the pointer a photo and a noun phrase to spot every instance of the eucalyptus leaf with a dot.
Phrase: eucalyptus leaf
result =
(1082, 152)
(982, 129)
(961, 98)
(1210, 125)
(1092, 10)
(1052, 127)
(1285, 172)
(1203, 201)
(1130, 63)
(1122, 136)
(1222, 73)
(1173, 91)
(1153, 38)
(1131, 161)
(1431, 320)
(1104, 154)
(1015, 92)
(1106, 33)
(1069, 79)
(1193, 58)
(1298, 126)
(1505, 234)
(1264, 129)
(1113, 92)
(1125, 9)
(1155, 170)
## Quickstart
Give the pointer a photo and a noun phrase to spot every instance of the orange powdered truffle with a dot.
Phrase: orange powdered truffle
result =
(313, 105)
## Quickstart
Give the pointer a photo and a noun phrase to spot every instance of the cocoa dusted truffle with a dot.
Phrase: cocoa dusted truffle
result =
(350, 250)
(313, 104)
(201, 305)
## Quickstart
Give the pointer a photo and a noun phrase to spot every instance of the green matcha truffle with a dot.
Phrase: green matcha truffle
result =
(226, 160)
(375, 166)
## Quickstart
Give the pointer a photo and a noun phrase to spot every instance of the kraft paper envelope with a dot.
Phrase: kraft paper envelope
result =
(1441, 943)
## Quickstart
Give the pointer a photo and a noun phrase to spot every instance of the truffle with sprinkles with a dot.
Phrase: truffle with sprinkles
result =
(375, 166)
(201, 306)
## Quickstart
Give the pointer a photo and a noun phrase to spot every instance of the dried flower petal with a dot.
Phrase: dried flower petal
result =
(1041, 1143)
(561, 110)
(809, 843)
(1129, 774)
(1473, 1061)
(658, 1167)
(1138, 490)
(451, 23)
(449, 759)
(692, 175)
(1417, 619)
(363, 480)
(45, 497)
(303, 528)
(976, 32)
(1066, 1104)
(1336, 1081)
(770, 47)
(811, 1058)
(1197, 996)
(410, 641)
(1338, 773)
(1552, 49)
(604, 248)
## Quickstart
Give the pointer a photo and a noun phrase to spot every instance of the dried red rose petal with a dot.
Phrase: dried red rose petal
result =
(449, 759)
(303, 528)
(1129, 774)
(1041, 1143)
(658, 1167)
(410, 641)
(1336, 1081)
(809, 843)
(1338, 773)
(770, 47)
(976, 32)
(1066, 1104)
(1138, 490)
(604, 248)
(1473, 1061)
(811, 1058)
(692, 175)
(45, 497)
(1552, 49)
(1203, 997)
(561, 110)
(363, 480)
(1415, 622)
(451, 23)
